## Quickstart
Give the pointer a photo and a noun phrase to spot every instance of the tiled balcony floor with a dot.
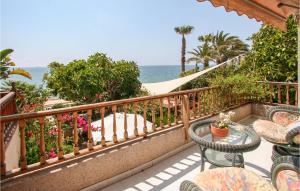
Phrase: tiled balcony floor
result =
(168, 174)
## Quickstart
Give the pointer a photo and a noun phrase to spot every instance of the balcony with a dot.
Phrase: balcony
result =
(185, 165)
(153, 157)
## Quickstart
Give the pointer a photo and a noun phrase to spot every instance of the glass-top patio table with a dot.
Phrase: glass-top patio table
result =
(223, 151)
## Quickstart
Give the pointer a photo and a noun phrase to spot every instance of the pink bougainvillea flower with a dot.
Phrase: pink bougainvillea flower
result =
(85, 128)
(53, 131)
(52, 153)
(30, 134)
(81, 122)
(66, 118)
(94, 128)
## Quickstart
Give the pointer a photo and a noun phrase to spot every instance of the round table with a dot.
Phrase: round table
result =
(223, 151)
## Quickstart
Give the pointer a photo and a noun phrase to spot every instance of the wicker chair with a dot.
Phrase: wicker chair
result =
(230, 178)
(189, 186)
(285, 173)
(282, 129)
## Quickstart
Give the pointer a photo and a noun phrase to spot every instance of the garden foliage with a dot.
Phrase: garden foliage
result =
(98, 78)
(273, 56)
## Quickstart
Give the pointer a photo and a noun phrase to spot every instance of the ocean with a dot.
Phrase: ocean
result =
(148, 74)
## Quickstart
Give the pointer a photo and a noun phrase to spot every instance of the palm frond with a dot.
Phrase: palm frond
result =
(21, 72)
(4, 53)
(187, 29)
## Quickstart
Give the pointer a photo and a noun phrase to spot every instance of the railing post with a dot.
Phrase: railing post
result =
(23, 162)
(287, 94)
(90, 137)
(169, 112)
(279, 93)
(209, 101)
(75, 134)
(125, 122)
(185, 115)
(199, 104)
(153, 115)
(42, 141)
(161, 112)
(176, 111)
(296, 95)
(114, 109)
(3, 165)
(60, 153)
(214, 100)
(264, 92)
(136, 133)
(145, 119)
(271, 93)
(205, 102)
(194, 105)
(102, 127)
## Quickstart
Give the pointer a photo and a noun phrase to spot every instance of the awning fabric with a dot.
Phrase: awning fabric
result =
(272, 12)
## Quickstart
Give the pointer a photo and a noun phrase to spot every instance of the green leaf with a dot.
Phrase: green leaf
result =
(4, 53)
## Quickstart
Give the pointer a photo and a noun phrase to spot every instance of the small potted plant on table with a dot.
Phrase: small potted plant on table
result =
(220, 128)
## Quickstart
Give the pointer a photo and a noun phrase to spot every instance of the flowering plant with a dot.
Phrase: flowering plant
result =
(225, 120)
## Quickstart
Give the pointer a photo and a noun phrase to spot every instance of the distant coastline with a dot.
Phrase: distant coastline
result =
(149, 73)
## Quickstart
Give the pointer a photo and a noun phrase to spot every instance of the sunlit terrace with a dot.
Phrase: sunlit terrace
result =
(169, 173)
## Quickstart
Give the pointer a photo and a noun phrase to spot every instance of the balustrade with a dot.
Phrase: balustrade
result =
(165, 111)
(280, 92)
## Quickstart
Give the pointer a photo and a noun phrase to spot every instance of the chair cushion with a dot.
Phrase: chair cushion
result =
(288, 180)
(271, 131)
(232, 178)
(284, 118)
(296, 138)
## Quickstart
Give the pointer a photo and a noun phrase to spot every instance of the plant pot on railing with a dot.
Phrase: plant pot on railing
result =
(217, 131)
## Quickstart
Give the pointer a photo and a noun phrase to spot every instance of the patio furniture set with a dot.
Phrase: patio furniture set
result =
(281, 129)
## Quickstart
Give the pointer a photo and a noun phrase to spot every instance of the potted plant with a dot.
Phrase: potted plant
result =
(220, 128)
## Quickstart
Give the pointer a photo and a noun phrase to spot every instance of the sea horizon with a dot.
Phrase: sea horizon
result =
(148, 73)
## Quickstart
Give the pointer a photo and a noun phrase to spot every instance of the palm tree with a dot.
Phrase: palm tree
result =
(227, 46)
(203, 54)
(183, 30)
(5, 64)
(206, 38)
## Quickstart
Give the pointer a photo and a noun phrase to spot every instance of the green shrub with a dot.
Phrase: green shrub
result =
(274, 53)
(29, 97)
(238, 84)
(96, 79)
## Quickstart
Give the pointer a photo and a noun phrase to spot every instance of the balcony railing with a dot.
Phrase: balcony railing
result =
(167, 111)
(7, 107)
(164, 111)
(284, 93)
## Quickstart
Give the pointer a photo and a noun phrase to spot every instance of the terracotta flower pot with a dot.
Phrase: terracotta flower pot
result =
(216, 131)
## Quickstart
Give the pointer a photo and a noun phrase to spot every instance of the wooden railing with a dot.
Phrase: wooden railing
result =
(283, 93)
(7, 107)
(8, 103)
(165, 111)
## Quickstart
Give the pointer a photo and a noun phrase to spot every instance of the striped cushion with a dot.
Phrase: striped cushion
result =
(284, 118)
(288, 180)
(271, 131)
(232, 179)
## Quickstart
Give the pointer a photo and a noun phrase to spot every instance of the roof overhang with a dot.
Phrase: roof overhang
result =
(272, 12)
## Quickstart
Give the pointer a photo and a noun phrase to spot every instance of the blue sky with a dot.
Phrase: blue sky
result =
(42, 31)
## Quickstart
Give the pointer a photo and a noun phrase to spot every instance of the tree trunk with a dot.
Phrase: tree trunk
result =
(206, 64)
(183, 45)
